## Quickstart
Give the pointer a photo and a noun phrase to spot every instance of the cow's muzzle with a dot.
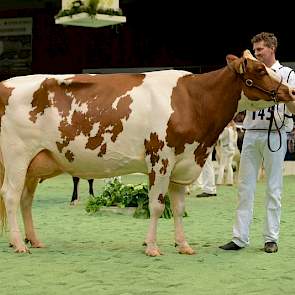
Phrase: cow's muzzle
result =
(292, 93)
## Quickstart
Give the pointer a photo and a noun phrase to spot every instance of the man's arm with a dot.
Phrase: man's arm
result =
(291, 81)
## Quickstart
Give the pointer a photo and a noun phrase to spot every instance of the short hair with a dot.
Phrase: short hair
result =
(270, 40)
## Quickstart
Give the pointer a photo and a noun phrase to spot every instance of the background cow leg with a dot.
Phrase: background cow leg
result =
(75, 195)
(26, 209)
(91, 192)
(156, 206)
(177, 200)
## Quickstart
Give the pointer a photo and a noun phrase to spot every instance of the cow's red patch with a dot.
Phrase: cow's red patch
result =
(152, 148)
(152, 178)
(161, 199)
(189, 121)
(163, 169)
(107, 101)
(5, 93)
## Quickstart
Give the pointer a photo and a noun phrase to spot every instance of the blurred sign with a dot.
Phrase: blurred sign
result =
(15, 46)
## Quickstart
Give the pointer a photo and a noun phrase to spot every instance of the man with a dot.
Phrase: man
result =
(258, 145)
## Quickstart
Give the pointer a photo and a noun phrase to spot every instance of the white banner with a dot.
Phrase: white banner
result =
(15, 46)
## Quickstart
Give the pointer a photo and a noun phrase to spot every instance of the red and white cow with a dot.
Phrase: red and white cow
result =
(162, 123)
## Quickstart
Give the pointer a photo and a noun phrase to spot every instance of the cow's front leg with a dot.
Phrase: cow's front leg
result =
(158, 189)
(160, 161)
(26, 209)
(177, 200)
(156, 206)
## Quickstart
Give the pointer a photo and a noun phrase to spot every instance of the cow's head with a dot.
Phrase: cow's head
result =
(261, 86)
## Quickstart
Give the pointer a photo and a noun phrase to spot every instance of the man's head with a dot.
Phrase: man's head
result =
(264, 47)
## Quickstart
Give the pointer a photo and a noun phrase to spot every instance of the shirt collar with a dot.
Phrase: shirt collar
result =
(276, 66)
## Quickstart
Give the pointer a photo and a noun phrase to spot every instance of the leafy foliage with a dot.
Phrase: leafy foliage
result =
(79, 7)
(116, 193)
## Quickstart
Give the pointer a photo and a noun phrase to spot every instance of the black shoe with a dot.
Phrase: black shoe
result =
(270, 247)
(205, 195)
(230, 246)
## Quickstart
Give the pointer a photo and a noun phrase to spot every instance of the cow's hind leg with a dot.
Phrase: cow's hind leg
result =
(42, 166)
(11, 191)
(26, 209)
(177, 200)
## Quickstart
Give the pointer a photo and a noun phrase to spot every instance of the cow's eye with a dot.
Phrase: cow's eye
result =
(261, 71)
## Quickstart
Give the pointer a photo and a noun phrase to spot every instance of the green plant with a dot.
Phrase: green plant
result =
(116, 193)
(79, 7)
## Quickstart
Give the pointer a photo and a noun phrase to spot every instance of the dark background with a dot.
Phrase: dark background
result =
(193, 35)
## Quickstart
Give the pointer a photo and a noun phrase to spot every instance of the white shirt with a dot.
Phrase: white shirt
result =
(259, 120)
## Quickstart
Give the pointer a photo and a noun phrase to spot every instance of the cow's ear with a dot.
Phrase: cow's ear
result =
(238, 64)
(247, 54)
(230, 58)
(243, 66)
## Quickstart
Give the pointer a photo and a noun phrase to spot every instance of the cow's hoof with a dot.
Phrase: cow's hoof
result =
(74, 203)
(186, 250)
(153, 251)
(38, 244)
(35, 243)
(22, 249)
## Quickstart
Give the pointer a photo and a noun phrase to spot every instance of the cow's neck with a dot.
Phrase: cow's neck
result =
(202, 106)
(217, 94)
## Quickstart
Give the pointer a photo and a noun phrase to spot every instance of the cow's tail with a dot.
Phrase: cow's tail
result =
(3, 216)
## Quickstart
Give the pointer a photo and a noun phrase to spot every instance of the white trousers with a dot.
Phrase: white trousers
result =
(255, 149)
(206, 179)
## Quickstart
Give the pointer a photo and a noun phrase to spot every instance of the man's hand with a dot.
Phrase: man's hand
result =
(291, 106)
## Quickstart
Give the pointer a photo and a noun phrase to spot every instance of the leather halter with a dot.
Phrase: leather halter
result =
(249, 83)
(272, 93)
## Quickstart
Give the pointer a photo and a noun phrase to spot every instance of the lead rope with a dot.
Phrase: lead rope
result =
(273, 119)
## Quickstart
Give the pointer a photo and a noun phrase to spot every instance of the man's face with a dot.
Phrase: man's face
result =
(262, 52)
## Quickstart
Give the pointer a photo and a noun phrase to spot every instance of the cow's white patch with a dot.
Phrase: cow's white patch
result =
(184, 172)
(95, 128)
(252, 105)
(62, 80)
(76, 107)
(51, 96)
